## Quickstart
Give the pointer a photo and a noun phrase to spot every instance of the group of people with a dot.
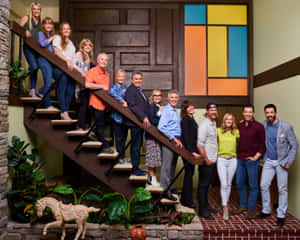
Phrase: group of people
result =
(234, 149)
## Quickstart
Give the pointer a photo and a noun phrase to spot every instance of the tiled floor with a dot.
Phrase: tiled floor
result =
(239, 228)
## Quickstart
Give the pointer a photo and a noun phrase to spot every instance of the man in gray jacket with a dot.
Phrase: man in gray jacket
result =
(281, 152)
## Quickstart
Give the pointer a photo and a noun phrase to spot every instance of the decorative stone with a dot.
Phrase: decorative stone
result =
(172, 234)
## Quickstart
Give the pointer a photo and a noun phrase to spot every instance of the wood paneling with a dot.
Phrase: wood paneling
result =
(161, 80)
(134, 58)
(164, 36)
(125, 39)
(95, 16)
(138, 16)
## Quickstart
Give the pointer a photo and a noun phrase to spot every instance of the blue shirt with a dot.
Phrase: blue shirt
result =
(43, 41)
(169, 122)
(118, 92)
(271, 139)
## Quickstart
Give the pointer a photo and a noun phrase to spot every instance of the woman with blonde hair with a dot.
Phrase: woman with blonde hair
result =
(228, 135)
(153, 151)
(65, 49)
(83, 61)
(32, 24)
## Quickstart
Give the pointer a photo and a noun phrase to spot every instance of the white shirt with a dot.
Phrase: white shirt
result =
(69, 51)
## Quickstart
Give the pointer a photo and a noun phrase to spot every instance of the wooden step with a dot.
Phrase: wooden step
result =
(30, 99)
(63, 122)
(152, 189)
(77, 133)
(182, 209)
(165, 201)
(47, 111)
(134, 178)
(123, 167)
(108, 155)
(92, 144)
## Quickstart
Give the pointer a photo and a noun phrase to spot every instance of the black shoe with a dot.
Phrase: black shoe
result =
(212, 210)
(107, 150)
(174, 191)
(189, 205)
(168, 195)
(207, 216)
(262, 215)
(280, 222)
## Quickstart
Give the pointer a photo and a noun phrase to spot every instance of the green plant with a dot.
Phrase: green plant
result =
(28, 182)
(121, 210)
(66, 189)
(177, 218)
(18, 75)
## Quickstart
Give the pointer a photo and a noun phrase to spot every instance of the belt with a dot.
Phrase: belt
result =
(227, 157)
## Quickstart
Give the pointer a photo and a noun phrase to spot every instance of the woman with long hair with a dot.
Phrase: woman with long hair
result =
(83, 61)
(228, 135)
(153, 151)
(32, 24)
(65, 49)
(189, 133)
(45, 39)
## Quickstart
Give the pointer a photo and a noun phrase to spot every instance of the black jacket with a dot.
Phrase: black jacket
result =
(136, 103)
(189, 133)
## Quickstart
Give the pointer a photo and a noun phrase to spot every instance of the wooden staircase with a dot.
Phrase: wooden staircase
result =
(54, 131)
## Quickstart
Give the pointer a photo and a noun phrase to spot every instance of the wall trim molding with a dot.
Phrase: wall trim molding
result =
(281, 72)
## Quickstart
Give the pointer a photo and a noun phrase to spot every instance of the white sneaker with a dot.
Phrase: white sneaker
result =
(32, 93)
(225, 214)
(154, 182)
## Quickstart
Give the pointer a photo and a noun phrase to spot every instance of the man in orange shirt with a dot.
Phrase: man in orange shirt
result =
(98, 78)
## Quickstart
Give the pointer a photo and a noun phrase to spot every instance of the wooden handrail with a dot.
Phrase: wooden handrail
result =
(103, 95)
(283, 71)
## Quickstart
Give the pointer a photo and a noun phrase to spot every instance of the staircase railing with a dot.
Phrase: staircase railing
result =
(103, 95)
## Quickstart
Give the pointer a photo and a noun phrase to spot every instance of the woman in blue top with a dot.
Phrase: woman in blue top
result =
(121, 130)
(45, 38)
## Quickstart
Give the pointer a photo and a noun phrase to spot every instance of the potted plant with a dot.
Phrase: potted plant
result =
(18, 75)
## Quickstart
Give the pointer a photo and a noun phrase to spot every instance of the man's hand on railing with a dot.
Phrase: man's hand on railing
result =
(124, 104)
(177, 142)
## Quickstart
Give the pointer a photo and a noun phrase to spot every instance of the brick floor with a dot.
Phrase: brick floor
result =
(239, 228)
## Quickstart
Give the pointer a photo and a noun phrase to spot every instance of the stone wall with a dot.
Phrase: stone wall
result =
(193, 231)
(4, 91)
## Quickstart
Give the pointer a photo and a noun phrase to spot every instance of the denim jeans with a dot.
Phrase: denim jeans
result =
(270, 168)
(66, 88)
(32, 59)
(136, 138)
(251, 168)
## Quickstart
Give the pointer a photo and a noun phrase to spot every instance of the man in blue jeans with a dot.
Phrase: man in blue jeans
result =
(281, 152)
(251, 148)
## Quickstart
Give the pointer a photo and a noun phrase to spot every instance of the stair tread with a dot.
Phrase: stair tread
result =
(108, 155)
(182, 209)
(166, 201)
(123, 167)
(153, 189)
(63, 122)
(30, 99)
(134, 178)
(77, 132)
(92, 144)
(47, 111)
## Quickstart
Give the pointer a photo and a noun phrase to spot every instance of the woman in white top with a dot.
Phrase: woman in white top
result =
(65, 49)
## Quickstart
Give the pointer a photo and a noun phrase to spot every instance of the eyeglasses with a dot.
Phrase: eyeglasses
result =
(156, 95)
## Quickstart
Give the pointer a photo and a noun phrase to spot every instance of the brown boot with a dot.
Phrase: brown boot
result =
(250, 214)
(239, 210)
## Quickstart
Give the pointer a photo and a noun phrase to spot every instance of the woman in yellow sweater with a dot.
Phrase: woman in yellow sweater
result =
(228, 135)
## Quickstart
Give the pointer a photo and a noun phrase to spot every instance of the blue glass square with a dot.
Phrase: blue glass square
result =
(194, 14)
